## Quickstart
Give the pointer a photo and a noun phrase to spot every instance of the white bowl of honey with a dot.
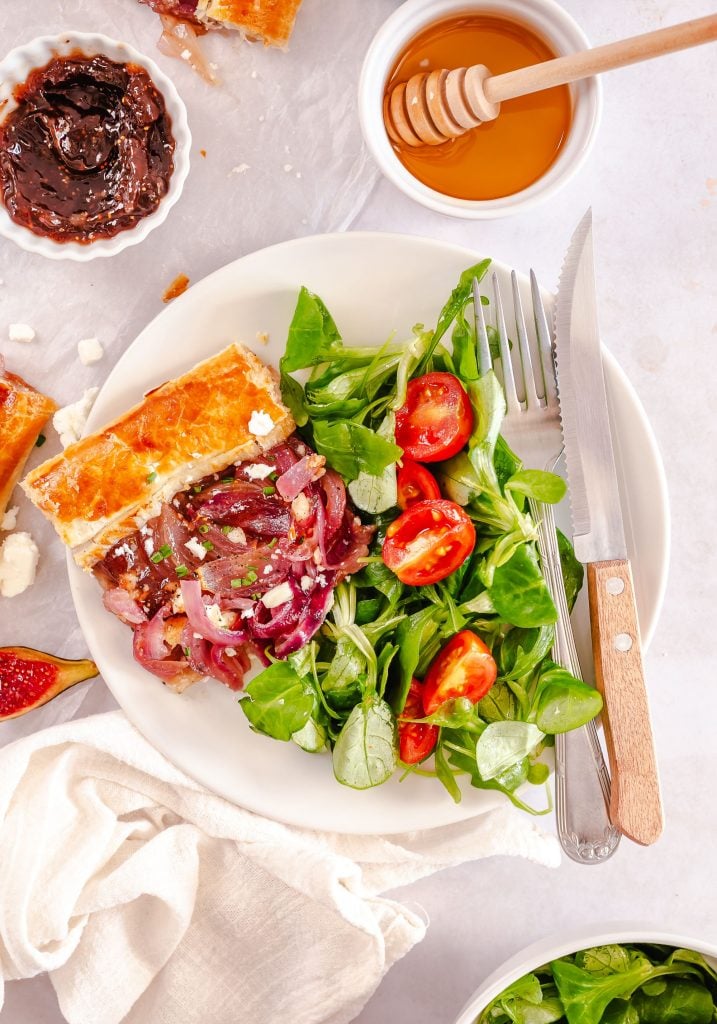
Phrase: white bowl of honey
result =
(504, 166)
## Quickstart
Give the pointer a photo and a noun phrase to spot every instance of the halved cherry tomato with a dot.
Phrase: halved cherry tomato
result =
(415, 483)
(436, 419)
(416, 740)
(464, 668)
(428, 542)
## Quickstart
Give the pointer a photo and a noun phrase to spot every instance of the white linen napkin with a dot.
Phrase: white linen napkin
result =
(152, 901)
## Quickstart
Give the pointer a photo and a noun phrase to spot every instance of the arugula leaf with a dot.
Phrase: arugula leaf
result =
(501, 745)
(536, 483)
(519, 592)
(351, 448)
(413, 637)
(313, 335)
(278, 702)
(292, 395)
(573, 571)
(523, 650)
(459, 297)
(366, 752)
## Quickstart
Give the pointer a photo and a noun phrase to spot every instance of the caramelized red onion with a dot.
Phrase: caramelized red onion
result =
(311, 546)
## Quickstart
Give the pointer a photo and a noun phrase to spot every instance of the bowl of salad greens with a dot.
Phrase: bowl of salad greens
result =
(621, 974)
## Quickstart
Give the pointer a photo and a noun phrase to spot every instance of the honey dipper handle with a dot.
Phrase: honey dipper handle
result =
(602, 58)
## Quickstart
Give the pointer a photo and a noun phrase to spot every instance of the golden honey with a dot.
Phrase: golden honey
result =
(501, 157)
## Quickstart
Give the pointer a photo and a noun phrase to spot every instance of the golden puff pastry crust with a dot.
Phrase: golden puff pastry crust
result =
(23, 414)
(268, 20)
(105, 486)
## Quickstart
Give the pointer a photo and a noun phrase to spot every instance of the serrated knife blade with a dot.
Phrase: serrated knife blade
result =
(635, 803)
(594, 494)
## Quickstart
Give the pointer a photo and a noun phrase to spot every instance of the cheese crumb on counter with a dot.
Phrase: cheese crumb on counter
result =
(90, 351)
(18, 562)
(21, 332)
(9, 520)
(69, 422)
(260, 424)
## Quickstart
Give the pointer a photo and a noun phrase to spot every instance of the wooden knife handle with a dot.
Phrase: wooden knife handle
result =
(635, 805)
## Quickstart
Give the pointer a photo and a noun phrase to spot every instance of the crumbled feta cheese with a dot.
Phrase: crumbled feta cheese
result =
(258, 471)
(317, 557)
(177, 602)
(230, 652)
(18, 562)
(248, 613)
(277, 595)
(262, 337)
(300, 507)
(236, 536)
(218, 618)
(69, 422)
(9, 520)
(321, 579)
(196, 547)
(197, 636)
(260, 423)
(306, 583)
(90, 351)
(21, 332)
(149, 546)
(268, 569)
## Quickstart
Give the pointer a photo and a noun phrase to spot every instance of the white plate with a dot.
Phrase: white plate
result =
(373, 284)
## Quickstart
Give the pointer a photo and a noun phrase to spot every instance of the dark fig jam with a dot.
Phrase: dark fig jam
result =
(87, 152)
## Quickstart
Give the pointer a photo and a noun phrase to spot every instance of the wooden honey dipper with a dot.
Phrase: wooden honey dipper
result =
(435, 106)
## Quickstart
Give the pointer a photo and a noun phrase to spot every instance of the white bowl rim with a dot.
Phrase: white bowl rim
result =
(39, 51)
(564, 943)
(401, 26)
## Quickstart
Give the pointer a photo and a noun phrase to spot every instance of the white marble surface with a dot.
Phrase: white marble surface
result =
(652, 181)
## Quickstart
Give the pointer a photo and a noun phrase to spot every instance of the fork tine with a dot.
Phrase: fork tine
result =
(511, 396)
(531, 395)
(485, 362)
(545, 346)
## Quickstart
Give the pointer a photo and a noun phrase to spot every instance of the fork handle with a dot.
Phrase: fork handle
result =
(635, 803)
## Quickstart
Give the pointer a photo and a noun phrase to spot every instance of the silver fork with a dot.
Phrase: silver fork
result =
(532, 426)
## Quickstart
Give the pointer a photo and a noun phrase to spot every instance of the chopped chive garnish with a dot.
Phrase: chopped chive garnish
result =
(255, 597)
(207, 544)
(227, 480)
(204, 528)
(251, 577)
(237, 583)
(186, 652)
(182, 571)
(227, 529)
(273, 476)
(269, 490)
(197, 488)
(152, 477)
(40, 440)
(273, 542)
(161, 553)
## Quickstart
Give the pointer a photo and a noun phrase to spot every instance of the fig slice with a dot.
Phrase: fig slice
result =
(29, 679)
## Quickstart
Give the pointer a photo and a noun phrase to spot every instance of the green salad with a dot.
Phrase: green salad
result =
(434, 657)
(634, 984)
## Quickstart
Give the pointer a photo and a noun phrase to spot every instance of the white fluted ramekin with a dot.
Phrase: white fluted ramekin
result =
(14, 71)
(551, 22)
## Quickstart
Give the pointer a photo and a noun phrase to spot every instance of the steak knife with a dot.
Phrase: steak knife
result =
(599, 538)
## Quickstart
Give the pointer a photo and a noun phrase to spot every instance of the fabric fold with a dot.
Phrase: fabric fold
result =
(149, 899)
